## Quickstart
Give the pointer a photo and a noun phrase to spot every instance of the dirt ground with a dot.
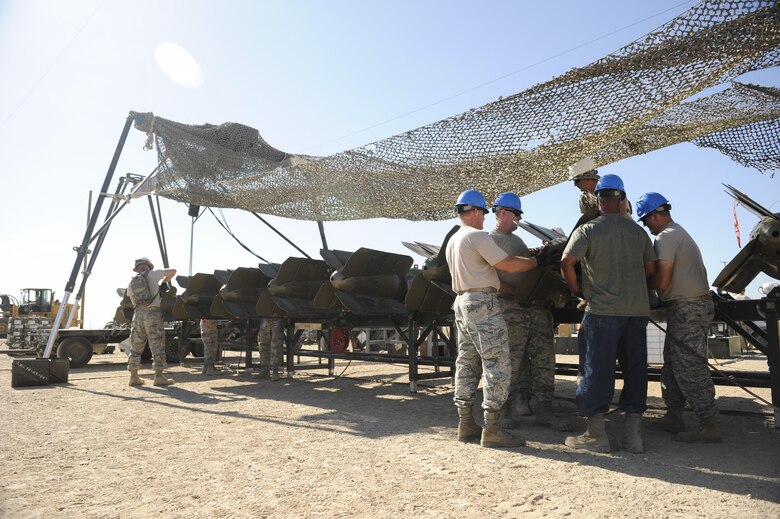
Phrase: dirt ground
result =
(360, 445)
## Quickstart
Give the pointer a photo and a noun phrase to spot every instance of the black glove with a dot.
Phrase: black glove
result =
(164, 287)
(548, 255)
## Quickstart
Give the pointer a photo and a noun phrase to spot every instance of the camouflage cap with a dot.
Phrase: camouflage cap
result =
(584, 169)
(141, 261)
(592, 174)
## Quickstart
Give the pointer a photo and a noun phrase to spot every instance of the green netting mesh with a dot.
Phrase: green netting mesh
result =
(622, 105)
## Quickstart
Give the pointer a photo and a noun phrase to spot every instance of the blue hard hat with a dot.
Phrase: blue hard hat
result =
(508, 200)
(473, 198)
(610, 182)
(648, 203)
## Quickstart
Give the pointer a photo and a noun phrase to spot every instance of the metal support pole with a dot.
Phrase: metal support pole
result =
(158, 233)
(249, 336)
(289, 342)
(121, 185)
(81, 251)
(412, 349)
(773, 350)
(322, 234)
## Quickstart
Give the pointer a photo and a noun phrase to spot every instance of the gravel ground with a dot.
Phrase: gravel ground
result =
(360, 445)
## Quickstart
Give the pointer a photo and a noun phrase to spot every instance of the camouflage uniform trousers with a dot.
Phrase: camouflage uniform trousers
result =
(531, 350)
(147, 327)
(209, 334)
(685, 376)
(482, 347)
(270, 342)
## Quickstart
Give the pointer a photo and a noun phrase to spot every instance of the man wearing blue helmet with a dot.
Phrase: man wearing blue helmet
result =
(473, 258)
(530, 328)
(616, 257)
(681, 282)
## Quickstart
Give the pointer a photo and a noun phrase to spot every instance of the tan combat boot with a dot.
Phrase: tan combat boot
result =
(135, 380)
(275, 374)
(632, 439)
(708, 433)
(494, 436)
(209, 369)
(672, 421)
(595, 437)
(159, 378)
(468, 430)
(544, 415)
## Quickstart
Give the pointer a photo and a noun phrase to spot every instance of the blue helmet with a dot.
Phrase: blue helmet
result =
(650, 202)
(470, 199)
(508, 200)
(610, 182)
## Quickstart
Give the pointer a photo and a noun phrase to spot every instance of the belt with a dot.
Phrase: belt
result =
(705, 297)
(506, 296)
(486, 289)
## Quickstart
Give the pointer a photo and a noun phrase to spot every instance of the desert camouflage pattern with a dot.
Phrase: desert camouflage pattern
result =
(483, 350)
(270, 342)
(589, 204)
(531, 350)
(685, 376)
(147, 327)
(209, 335)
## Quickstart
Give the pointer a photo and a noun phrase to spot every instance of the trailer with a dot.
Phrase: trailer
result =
(79, 345)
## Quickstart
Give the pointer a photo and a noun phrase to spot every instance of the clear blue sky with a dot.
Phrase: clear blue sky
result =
(313, 77)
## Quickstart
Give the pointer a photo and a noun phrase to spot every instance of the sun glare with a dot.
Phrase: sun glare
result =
(179, 65)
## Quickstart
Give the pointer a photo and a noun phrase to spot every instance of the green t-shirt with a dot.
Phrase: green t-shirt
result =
(613, 251)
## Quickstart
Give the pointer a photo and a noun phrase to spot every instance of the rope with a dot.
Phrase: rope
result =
(237, 240)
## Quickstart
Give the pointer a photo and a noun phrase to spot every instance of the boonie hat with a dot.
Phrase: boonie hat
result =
(141, 261)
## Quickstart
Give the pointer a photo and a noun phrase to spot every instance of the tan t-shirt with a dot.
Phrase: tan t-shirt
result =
(154, 277)
(471, 254)
(689, 276)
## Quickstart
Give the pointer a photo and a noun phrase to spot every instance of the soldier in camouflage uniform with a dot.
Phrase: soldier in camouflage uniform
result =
(530, 328)
(681, 282)
(270, 342)
(148, 326)
(473, 258)
(209, 334)
(585, 176)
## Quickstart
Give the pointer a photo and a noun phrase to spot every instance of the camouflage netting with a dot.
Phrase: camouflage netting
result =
(619, 106)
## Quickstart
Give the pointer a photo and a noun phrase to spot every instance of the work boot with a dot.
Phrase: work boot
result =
(494, 436)
(672, 421)
(209, 369)
(262, 372)
(709, 432)
(544, 415)
(275, 374)
(468, 430)
(135, 380)
(595, 437)
(517, 406)
(184, 350)
(632, 428)
(160, 380)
